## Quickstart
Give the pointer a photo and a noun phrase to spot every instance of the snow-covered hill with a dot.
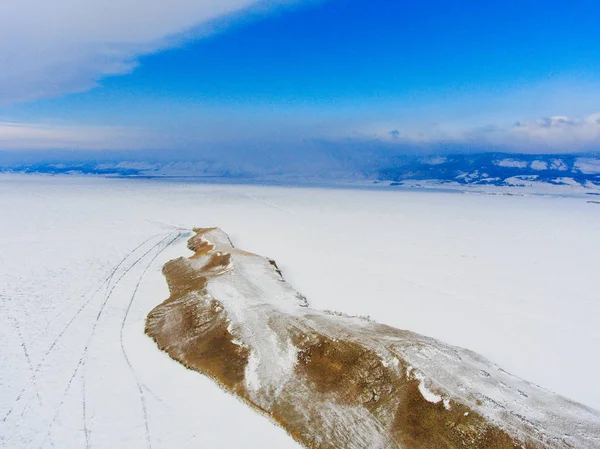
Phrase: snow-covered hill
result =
(498, 170)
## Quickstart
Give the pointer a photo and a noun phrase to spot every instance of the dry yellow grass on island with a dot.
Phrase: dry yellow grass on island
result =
(333, 381)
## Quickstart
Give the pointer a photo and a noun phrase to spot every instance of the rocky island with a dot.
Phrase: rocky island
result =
(335, 381)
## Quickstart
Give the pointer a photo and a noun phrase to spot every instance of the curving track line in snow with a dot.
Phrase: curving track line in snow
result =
(83, 358)
(105, 282)
(139, 384)
(268, 203)
(17, 327)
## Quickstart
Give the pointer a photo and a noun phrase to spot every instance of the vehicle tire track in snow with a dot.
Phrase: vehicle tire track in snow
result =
(106, 281)
(268, 203)
(170, 226)
(124, 321)
(64, 396)
(83, 358)
(86, 431)
(17, 327)
(159, 400)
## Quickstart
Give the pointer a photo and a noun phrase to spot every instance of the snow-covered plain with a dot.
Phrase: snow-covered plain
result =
(511, 277)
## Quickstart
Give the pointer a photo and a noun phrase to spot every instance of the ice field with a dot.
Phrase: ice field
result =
(513, 278)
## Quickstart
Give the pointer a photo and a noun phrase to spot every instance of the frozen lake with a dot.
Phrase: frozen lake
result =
(511, 277)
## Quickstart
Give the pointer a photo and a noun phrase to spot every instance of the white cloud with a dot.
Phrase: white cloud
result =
(553, 135)
(557, 134)
(577, 134)
(51, 47)
(17, 136)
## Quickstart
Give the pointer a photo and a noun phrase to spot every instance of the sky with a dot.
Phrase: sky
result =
(210, 75)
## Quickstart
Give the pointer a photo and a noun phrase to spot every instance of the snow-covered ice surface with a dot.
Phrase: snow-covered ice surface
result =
(513, 278)
(76, 369)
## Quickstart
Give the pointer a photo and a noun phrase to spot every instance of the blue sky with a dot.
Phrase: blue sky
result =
(429, 74)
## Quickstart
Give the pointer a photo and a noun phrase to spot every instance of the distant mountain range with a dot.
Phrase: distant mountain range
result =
(497, 169)
(492, 169)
